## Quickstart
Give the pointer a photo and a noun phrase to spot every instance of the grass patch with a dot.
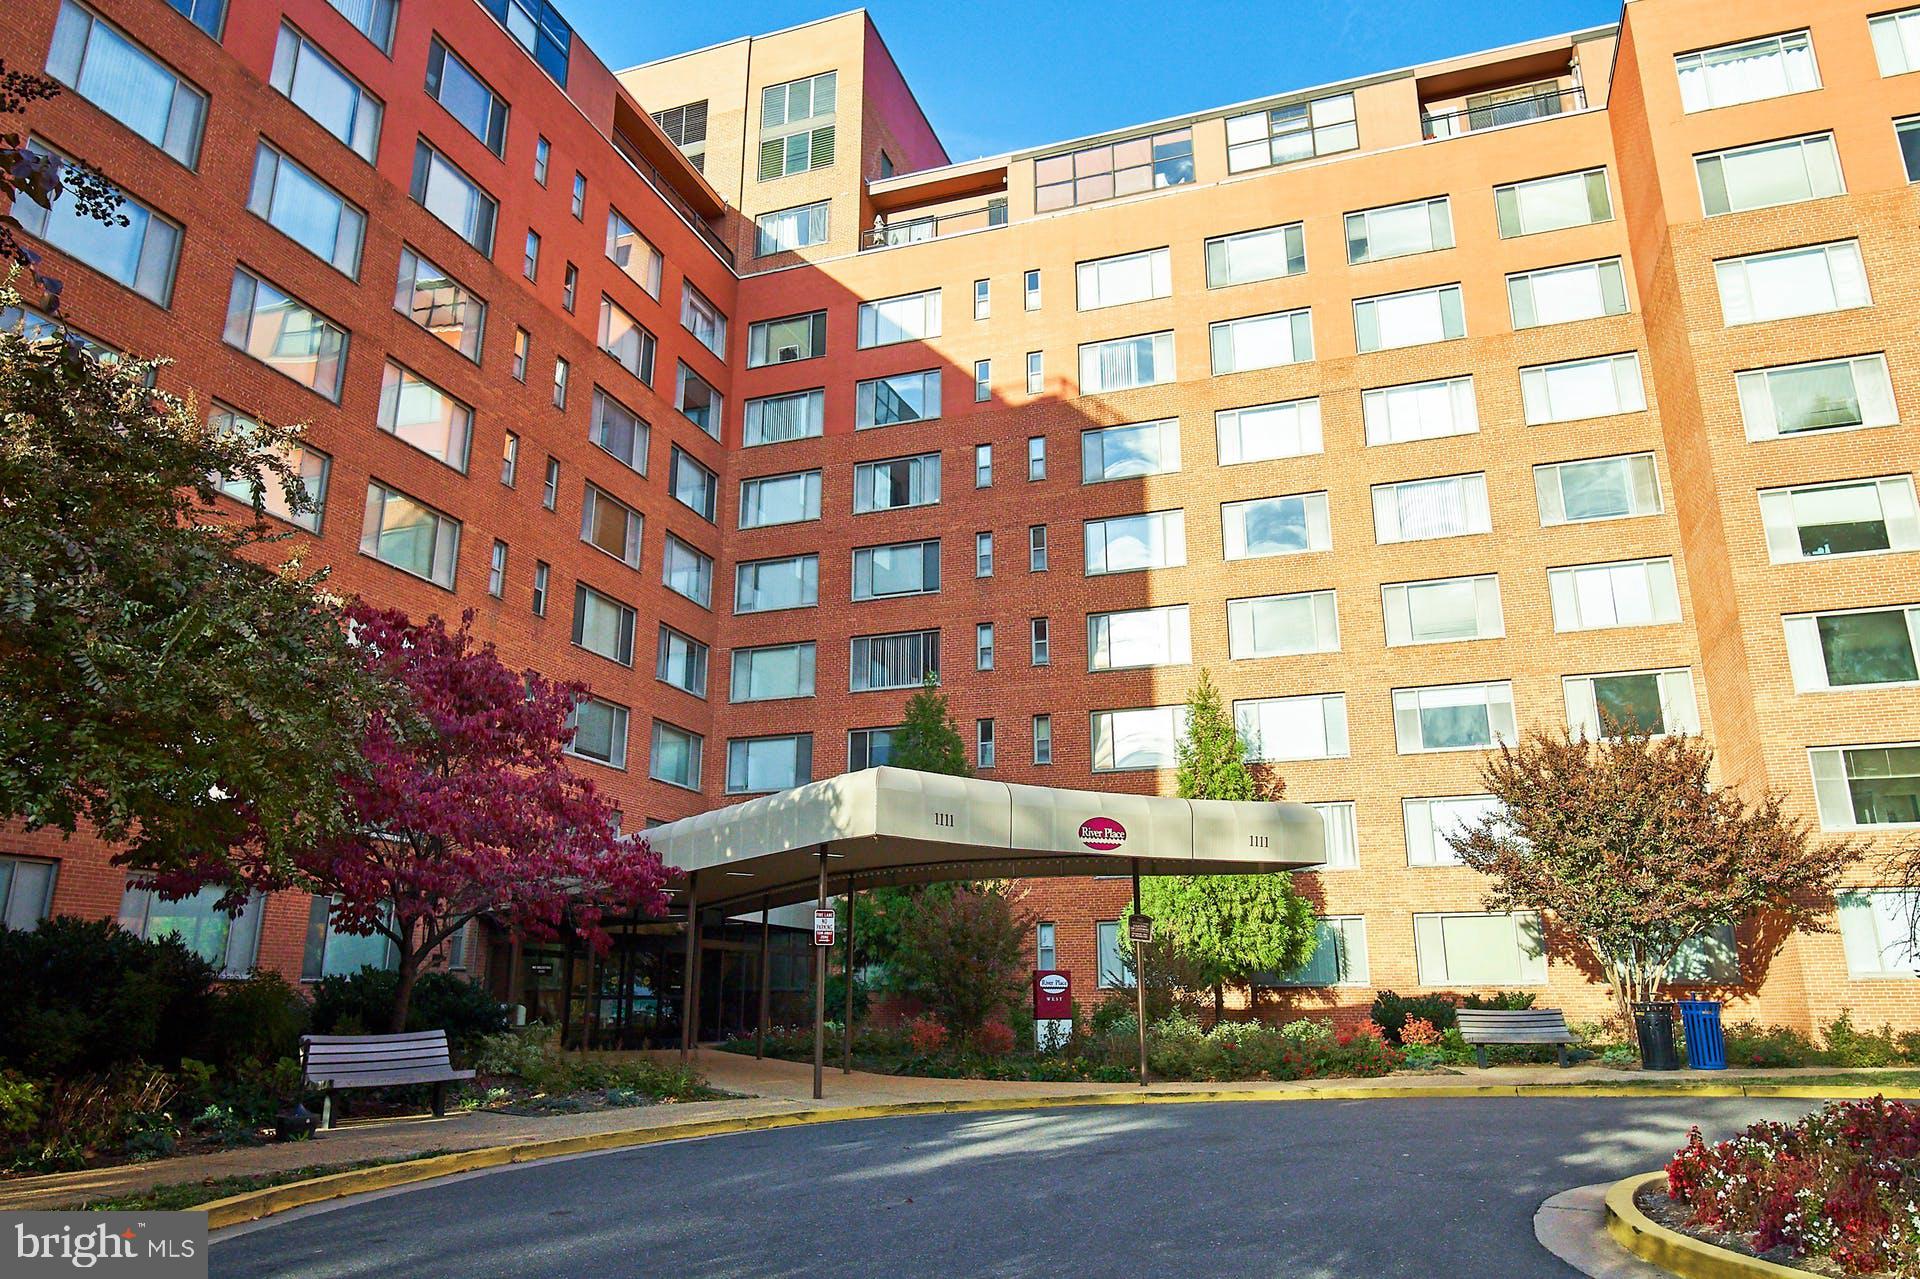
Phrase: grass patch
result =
(191, 1194)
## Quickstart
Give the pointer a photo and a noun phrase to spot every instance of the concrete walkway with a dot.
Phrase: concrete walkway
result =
(766, 1087)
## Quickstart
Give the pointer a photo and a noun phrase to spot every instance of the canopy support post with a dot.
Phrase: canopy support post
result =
(846, 1046)
(760, 1039)
(689, 1006)
(1139, 977)
(820, 993)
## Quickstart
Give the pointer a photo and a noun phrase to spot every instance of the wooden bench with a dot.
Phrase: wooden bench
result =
(1483, 1026)
(337, 1062)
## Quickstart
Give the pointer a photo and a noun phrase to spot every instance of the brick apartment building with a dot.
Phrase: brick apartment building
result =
(1420, 409)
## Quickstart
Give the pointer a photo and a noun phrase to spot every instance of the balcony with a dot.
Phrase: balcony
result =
(1499, 109)
(886, 235)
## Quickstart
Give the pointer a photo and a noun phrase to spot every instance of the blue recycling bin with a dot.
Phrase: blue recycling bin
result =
(1706, 1047)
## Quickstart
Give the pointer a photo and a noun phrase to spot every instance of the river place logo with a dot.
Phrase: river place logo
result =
(150, 1245)
(1102, 834)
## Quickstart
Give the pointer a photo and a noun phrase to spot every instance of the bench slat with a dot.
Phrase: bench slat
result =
(1514, 1026)
(390, 1080)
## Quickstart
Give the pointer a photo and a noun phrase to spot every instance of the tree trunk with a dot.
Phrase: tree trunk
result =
(1219, 1002)
(403, 992)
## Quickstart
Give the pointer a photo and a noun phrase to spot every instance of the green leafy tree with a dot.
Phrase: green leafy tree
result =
(1226, 929)
(168, 675)
(928, 738)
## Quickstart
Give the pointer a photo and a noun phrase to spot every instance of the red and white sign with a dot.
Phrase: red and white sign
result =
(1052, 994)
(823, 928)
(1102, 834)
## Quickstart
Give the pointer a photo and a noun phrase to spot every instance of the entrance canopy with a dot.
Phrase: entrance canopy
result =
(900, 826)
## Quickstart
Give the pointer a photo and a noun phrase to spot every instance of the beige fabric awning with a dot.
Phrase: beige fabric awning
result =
(899, 826)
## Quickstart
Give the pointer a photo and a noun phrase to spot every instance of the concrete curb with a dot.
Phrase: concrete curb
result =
(1674, 1252)
(257, 1204)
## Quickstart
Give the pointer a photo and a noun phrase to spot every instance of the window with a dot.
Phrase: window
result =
(1711, 958)
(541, 572)
(772, 673)
(983, 743)
(1266, 254)
(1283, 728)
(780, 499)
(602, 624)
(1453, 717)
(467, 98)
(1339, 956)
(1036, 372)
(1149, 162)
(312, 466)
(982, 299)
(1036, 548)
(686, 128)
(1563, 294)
(1042, 755)
(456, 199)
(983, 646)
(140, 255)
(703, 319)
(1417, 510)
(1631, 702)
(1896, 41)
(1276, 526)
(766, 586)
(982, 381)
(1342, 843)
(904, 568)
(1129, 277)
(1479, 950)
(1604, 488)
(579, 206)
(1139, 638)
(1265, 431)
(337, 102)
(539, 29)
(983, 555)
(1142, 738)
(681, 661)
(982, 466)
(1282, 625)
(796, 126)
(415, 411)
(1858, 517)
(1553, 204)
(409, 535)
(1124, 363)
(902, 660)
(1772, 286)
(1577, 389)
(1861, 648)
(569, 287)
(869, 748)
(1747, 72)
(205, 14)
(902, 397)
(1825, 395)
(1768, 174)
(619, 431)
(633, 254)
(675, 758)
(1877, 931)
(530, 257)
(1443, 610)
(497, 570)
(447, 309)
(1408, 319)
(789, 229)
(908, 318)
(1862, 786)
(896, 483)
(1398, 230)
(1123, 543)
(336, 954)
(286, 335)
(1036, 458)
(103, 66)
(610, 525)
(798, 337)
(1435, 826)
(1129, 452)
(1261, 341)
(800, 415)
(1039, 642)
(550, 490)
(1622, 593)
(697, 401)
(1116, 972)
(686, 571)
(1032, 283)
(522, 340)
(26, 892)
(599, 732)
(626, 340)
(1296, 131)
(757, 764)
(1420, 411)
(542, 159)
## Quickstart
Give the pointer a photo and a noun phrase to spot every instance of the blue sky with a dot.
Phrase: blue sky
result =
(998, 75)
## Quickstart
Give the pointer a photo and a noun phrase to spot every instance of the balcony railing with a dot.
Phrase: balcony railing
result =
(666, 190)
(1493, 115)
(887, 235)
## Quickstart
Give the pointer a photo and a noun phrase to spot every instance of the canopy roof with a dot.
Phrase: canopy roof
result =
(899, 826)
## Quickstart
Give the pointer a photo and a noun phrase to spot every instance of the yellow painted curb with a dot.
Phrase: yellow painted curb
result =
(1674, 1252)
(257, 1204)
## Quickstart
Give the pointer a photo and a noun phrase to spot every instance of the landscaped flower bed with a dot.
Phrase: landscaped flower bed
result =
(1841, 1185)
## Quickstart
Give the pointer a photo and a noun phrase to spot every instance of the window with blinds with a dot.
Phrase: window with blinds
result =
(686, 127)
(796, 126)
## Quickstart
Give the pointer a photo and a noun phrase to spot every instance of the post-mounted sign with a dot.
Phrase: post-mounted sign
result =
(823, 928)
(1139, 929)
(1052, 994)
